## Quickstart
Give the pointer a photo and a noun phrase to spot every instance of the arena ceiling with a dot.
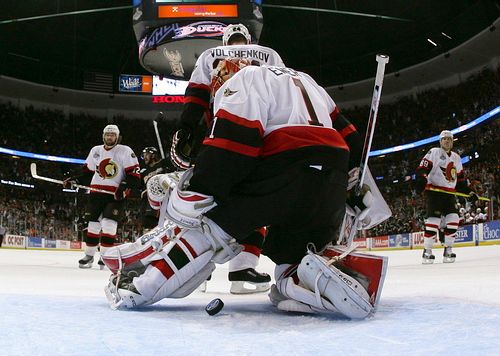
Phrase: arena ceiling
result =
(335, 43)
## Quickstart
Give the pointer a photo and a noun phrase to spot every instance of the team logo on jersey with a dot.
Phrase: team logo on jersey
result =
(107, 169)
(450, 172)
(229, 92)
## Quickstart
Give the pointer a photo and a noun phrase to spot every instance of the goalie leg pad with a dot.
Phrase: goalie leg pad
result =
(139, 251)
(346, 294)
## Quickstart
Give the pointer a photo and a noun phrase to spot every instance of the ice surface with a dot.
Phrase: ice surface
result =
(48, 306)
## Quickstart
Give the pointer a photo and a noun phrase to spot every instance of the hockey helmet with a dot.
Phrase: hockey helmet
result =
(152, 150)
(111, 129)
(234, 29)
(225, 69)
(445, 133)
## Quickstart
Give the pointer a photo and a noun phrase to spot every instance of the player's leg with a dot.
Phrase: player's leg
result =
(93, 210)
(242, 269)
(450, 233)
(432, 223)
(175, 271)
(112, 213)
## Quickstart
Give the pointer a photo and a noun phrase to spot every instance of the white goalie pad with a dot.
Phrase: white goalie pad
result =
(345, 293)
(349, 286)
(138, 253)
(371, 269)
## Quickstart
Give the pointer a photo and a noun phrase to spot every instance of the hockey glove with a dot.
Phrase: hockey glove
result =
(421, 182)
(180, 151)
(360, 203)
(68, 183)
(122, 191)
(473, 197)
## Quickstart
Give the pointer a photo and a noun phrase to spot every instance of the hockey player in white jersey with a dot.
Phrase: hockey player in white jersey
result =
(112, 167)
(195, 118)
(441, 171)
(272, 157)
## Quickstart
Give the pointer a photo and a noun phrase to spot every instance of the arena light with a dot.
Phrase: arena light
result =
(489, 115)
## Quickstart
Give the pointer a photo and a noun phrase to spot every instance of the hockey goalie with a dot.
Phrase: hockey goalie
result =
(272, 158)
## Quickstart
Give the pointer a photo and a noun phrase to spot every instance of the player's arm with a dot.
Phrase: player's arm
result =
(83, 175)
(423, 171)
(186, 140)
(350, 135)
(131, 185)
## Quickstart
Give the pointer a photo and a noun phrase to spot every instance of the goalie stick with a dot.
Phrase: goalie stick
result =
(56, 181)
(382, 60)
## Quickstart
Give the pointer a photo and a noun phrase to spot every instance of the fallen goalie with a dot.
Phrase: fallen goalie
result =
(173, 259)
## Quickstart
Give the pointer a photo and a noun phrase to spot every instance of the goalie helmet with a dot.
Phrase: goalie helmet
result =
(225, 70)
(235, 29)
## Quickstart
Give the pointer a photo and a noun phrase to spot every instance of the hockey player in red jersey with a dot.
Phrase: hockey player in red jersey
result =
(439, 172)
(272, 157)
(194, 121)
(112, 167)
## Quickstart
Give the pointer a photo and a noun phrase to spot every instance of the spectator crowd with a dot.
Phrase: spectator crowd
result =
(45, 210)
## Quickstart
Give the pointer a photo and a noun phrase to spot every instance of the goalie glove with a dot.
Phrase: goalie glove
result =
(186, 208)
(360, 202)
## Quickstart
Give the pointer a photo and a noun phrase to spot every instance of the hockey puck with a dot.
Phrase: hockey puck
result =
(214, 306)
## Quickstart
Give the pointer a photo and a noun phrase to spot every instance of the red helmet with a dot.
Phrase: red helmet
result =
(225, 69)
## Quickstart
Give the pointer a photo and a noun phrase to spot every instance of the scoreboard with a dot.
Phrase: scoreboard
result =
(172, 34)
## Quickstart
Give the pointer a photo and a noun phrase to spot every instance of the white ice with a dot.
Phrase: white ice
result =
(48, 306)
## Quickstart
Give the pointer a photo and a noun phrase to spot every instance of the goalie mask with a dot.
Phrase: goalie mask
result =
(225, 69)
(233, 30)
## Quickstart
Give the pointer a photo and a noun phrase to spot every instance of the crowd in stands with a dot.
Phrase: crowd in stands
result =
(46, 211)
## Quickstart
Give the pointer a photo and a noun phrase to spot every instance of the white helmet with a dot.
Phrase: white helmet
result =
(445, 133)
(111, 129)
(234, 29)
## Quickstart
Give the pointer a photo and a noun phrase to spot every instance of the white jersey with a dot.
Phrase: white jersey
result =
(443, 170)
(287, 106)
(208, 60)
(111, 165)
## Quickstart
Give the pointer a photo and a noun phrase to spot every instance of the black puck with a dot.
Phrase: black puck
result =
(214, 306)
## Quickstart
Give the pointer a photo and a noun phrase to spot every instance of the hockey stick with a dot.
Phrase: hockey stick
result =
(456, 193)
(382, 60)
(56, 181)
(155, 124)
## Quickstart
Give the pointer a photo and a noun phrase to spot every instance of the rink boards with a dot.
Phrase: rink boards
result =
(476, 234)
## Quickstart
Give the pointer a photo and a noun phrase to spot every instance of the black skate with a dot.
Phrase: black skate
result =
(259, 282)
(86, 262)
(428, 257)
(448, 256)
(101, 264)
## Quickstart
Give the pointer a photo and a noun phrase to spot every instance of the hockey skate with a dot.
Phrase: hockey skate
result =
(101, 264)
(203, 287)
(86, 262)
(258, 281)
(427, 257)
(448, 255)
